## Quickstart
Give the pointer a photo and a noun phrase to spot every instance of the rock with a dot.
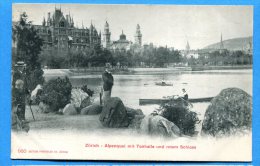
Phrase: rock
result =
(114, 113)
(160, 126)
(77, 96)
(136, 122)
(44, 108)
(135, 117)
(69, 109)
(91, 110)
(131, 113)
(85, 102)
(229, 113)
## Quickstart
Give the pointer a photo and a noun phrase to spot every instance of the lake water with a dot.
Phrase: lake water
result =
(131, 87)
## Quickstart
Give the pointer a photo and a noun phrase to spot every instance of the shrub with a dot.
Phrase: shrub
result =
(177, 112)
(57, 93)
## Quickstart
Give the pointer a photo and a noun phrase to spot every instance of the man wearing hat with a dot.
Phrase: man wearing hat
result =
(108, 82)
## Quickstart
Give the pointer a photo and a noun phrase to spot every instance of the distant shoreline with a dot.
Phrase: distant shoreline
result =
(237, 67)
(68, 72)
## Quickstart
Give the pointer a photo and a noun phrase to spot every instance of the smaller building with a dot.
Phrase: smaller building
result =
(122, 44)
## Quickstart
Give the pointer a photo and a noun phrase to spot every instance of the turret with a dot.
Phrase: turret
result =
(122, 36)
(106, 36)
(138, 36)
(49, 19)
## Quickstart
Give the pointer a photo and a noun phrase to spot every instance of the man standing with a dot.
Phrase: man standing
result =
(108, 82)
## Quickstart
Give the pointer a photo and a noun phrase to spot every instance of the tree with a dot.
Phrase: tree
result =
(28, 49)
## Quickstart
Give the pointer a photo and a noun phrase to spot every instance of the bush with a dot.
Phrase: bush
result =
(57, 93)
(177, 112)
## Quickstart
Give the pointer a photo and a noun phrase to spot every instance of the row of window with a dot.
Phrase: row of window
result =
(64, 32)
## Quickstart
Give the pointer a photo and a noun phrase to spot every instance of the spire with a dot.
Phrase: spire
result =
(43, 22)
(82, 25)
(221, 47)
(187, 46)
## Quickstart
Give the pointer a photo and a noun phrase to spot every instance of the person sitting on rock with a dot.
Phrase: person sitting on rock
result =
(108, 82)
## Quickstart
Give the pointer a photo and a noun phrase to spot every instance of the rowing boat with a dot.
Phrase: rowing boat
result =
(162, 101)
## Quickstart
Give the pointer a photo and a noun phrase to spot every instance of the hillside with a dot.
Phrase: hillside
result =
(232, 44)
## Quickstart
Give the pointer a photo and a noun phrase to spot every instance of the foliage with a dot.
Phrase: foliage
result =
(28, 49)
(224, 57)
(57, 93)
(177, 112)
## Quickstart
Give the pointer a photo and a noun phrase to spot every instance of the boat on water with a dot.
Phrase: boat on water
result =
(163, 83)
(161, 101)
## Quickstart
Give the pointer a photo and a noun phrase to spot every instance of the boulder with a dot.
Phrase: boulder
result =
(135, 117)
(91, 110)
(69, 109)
(160, 126)
(228, 113)
(131, 113)
(136, 122)
(85, 102)
(114, 114)
(44, 108)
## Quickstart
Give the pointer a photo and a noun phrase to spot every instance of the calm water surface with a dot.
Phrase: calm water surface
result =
(130, 88)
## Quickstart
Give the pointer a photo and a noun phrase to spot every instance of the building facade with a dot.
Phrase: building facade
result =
(58, 32)
(122, 44)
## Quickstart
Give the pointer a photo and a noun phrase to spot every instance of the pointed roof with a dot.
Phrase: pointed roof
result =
(221, 43)
(187, 46)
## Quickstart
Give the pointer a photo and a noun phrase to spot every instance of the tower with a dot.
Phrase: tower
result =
(221, 47)
(187, 47)
(138, 36)
(106, 36)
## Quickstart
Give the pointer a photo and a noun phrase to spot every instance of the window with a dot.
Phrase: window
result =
(62, 24)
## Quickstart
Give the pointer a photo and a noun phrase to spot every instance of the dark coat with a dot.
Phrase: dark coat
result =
(108, 81)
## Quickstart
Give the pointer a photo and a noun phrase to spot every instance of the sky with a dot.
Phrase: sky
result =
(162, 25)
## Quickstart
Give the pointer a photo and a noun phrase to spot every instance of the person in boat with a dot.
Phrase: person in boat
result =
(108, 82)
(184, 95)
(163, 83)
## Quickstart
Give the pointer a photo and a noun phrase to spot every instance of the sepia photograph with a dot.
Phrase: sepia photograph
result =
(132, 82)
